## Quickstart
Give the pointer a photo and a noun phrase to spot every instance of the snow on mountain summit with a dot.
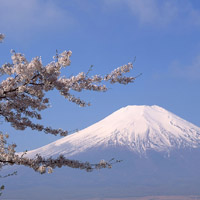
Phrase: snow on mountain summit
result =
(137, 128)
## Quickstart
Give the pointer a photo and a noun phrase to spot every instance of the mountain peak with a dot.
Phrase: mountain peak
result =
(136, 128)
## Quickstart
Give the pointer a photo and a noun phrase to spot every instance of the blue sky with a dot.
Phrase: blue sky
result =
(162, 35)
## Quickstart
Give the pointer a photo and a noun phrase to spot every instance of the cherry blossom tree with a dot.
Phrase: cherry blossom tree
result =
(22, 97)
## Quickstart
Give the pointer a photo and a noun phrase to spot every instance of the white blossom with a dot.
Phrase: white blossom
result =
(22, 97)
(50, 170)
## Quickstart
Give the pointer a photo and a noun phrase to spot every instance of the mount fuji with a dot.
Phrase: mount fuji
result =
(136, 128)
(160, 153)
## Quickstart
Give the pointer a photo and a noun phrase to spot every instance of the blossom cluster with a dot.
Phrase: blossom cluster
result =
(41, 164)
(22, 93)
(22, 97)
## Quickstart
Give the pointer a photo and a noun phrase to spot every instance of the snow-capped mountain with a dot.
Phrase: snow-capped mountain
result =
(135, 128)
(160, 153)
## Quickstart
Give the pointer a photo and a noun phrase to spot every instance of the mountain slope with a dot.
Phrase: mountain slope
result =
(142, 136)
(136, 128)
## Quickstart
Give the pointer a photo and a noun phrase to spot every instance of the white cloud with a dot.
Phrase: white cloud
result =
(190, 72)
(160, 13)
(149, 11)
(32, 15)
